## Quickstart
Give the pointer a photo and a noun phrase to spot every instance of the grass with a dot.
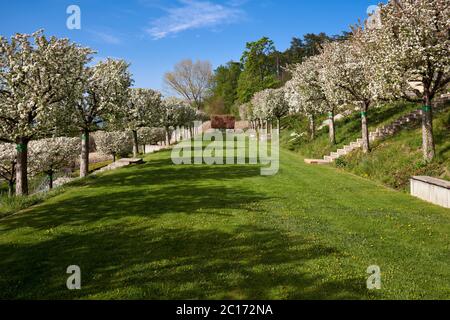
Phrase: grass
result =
(10, 205)
(93, 167)
(158, 231)
(347, 130)
(394, 160)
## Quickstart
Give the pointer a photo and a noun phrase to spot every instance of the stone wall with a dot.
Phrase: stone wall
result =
(430, 189)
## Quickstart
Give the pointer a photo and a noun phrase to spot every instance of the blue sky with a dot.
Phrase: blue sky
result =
(153, 35)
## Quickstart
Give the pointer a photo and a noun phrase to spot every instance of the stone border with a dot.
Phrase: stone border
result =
(431, 189)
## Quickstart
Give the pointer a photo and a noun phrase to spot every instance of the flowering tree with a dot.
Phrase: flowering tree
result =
(277, 104)
(143, 109)
(8, 156)
(187, 116)
(349, 67)
(99, 101)
(414, 41)
(113, 143)
(299, 103)
(260, 109)
(37, 77)
(247, 112)
(151, 136)
(50, 155)
(332, 96)
(305, 93)
(270, 104)
(170, 115)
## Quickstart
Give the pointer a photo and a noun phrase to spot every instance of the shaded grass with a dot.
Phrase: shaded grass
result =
(10, 205)
(159, 231)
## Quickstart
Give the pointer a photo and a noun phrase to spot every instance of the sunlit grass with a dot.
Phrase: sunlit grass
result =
(159, 231)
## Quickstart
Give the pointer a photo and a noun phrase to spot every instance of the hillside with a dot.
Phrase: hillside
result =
(393, 160)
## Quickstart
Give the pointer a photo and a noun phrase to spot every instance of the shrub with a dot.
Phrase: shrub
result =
(341, 163)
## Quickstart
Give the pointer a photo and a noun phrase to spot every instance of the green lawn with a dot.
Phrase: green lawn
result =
(160, 231)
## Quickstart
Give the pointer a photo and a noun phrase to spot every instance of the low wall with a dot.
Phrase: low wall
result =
(430, 189)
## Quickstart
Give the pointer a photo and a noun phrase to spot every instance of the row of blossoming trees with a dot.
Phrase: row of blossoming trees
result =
(49, 89)
(410, 43)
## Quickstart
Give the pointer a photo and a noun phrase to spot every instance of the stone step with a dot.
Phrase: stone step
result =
(120, 163)
(335, 155)
(317, 161)
(129, 161)
(356, 144)
(348, 148)
(379, 133)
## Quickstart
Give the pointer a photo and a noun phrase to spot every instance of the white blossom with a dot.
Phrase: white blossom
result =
(113, 143)
(267, 105)
(8, 163)
(151, 136)
(143, 109)
(36, 81)
(52, 154)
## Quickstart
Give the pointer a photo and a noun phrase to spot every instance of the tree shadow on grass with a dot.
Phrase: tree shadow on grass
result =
(165, 172)
(135, 259)
(129, 262)
(96, 206)
(149, 190)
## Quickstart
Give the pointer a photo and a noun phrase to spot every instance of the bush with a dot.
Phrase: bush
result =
(341, 163)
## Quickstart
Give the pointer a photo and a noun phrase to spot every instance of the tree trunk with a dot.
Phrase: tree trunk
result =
(312, 126)
(12, 180)
(135, 144)
(22, 167)
(10, 188)
(167, 137)
(428, 146)
(50, 179)
(143, 148)
(332, 128)
(114, 157)
(365, 129)
(84, 162)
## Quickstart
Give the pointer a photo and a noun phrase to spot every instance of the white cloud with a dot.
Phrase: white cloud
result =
(193, 14)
